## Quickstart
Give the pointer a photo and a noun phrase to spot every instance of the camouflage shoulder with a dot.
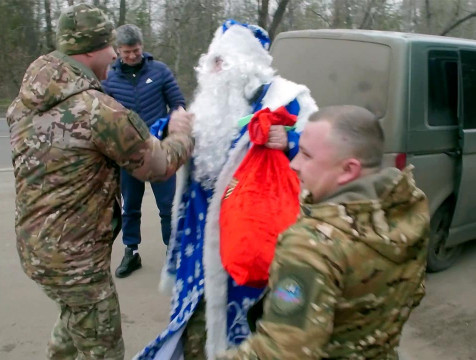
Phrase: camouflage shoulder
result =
(112, 106)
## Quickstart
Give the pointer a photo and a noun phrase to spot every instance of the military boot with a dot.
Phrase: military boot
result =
(130, 262)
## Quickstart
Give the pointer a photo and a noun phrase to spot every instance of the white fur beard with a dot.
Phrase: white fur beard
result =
(219, 104)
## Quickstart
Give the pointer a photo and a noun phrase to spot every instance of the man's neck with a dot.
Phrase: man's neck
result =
(132, 69)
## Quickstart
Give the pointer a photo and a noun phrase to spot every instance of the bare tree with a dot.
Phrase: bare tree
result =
(428, 14)
(49, 29)
(122, 13)
(277, 18)
(263, 13)
(365, 21)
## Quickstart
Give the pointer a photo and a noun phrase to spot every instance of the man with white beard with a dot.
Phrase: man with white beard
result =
(235, 79)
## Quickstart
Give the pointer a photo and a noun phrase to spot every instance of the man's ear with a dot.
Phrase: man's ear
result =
(351, 170)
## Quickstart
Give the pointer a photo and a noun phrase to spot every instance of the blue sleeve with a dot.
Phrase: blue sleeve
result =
(293, 144)
(293, 136)
(172, 93)
(105, 83)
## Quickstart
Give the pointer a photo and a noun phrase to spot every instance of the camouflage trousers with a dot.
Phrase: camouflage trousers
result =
(89, 323)
(195, 335)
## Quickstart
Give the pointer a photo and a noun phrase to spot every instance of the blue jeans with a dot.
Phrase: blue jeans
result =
(132, 193)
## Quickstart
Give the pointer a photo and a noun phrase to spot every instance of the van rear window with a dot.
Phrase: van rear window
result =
(442, 88)
(337, 71)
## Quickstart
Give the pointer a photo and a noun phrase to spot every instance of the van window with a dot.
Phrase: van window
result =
(442, 88)
(468, 67)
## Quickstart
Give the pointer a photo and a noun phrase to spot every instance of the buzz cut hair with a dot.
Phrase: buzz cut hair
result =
(355, 131)
(128, 35)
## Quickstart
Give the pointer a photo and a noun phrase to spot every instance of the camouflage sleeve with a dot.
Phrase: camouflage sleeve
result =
(306, 278)
(121, 135)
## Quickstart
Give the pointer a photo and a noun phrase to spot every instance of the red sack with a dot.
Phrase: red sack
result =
(260, 202)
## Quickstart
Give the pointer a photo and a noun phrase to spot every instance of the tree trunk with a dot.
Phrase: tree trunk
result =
(428, 15)
(338, 12)
(365, 20)
(277, 18)
(122, 13)
(263, 14)
(49, 29)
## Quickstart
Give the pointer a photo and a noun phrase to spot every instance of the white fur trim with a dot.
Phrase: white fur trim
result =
(282, 92)
(216, 278)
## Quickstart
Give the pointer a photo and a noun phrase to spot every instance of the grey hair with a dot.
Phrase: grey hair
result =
(356, 132)
(128, 35)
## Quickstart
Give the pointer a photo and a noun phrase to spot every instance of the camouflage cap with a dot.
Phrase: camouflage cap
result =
(83, 28)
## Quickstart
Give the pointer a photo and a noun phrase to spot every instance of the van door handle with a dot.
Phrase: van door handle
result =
(453, 154)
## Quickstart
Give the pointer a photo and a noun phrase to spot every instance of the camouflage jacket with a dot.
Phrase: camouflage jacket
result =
(346, 276)
(68, 140)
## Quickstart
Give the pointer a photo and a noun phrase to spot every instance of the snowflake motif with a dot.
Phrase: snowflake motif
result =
(179, 260)
(201, 217)
(189, 249)
(197, 269)
(190, 279)
(188, 231)
(193, 194)
(179, 285)
(175, 300)
(246, 303)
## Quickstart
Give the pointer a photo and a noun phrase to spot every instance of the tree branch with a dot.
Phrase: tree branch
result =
(458, 23)
(322, 17)
(367, 14)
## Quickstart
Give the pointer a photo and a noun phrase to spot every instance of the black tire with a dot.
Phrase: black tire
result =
(441, 258)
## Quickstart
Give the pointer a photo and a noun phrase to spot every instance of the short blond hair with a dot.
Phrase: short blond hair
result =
(356, 131)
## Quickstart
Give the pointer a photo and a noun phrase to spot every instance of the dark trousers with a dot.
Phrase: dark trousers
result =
(132, 193)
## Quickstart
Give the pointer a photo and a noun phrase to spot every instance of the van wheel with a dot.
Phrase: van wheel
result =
(440, 258)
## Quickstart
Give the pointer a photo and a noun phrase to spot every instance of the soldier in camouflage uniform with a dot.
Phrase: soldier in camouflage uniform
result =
(68, 140)
(347, 275)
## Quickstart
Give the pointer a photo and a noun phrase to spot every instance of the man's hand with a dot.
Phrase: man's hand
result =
(278, 139)
(181, 121)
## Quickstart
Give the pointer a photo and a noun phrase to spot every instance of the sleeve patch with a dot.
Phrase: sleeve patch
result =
(288, 296)
(139, 125)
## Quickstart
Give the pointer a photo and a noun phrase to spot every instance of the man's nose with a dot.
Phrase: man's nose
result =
(293, 164)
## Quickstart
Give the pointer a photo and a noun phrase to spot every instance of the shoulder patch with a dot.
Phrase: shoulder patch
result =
(139, 125)
(288, 296)
(290, 299)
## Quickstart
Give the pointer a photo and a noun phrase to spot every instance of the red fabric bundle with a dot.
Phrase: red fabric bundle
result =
(261, 201)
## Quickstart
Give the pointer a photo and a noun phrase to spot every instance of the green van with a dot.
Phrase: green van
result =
(424, 90)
